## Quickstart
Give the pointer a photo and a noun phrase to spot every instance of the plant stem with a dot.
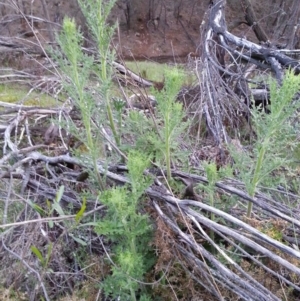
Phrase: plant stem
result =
(111, 122)
(168, 159)
(87, 122)
(255, 181)
(107, 100)
(132, 293)
(167, 144)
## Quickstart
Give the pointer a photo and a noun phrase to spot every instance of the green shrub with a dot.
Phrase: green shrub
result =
(275, 136)
(129, 230)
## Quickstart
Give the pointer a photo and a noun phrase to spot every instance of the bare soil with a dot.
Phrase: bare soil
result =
(168, 32)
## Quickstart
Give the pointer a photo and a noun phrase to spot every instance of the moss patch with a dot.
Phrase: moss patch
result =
(12, 93)
(155, 71)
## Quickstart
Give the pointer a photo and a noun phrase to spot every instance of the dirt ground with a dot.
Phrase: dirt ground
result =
(169, 31)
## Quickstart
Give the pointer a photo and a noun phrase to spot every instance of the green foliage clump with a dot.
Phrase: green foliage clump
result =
(275, 136)
(77, 67)
(160, 138)
(128, 229)
(171, 112)
(77, 71)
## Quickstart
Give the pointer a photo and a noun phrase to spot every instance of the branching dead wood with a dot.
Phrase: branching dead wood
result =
(226, 66)
(41, 176)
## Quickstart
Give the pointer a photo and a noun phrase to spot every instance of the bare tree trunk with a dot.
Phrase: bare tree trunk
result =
(294, 20)
(253, 22)
(128, 13)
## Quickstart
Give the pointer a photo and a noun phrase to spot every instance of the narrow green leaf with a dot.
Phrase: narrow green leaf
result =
(56, 206)
(37, 208)
(49, 252)
(38, 254)
(48, 205)
(60, 193)
(51, 224)
(79, 240)
(81, 211)
(94, 224)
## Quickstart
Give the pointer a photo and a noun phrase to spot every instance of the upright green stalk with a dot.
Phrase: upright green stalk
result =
(171, 113)
(70, 41)
(274, 133)
(97, 13)
(256, 175)
(167, 145)
(111, 119)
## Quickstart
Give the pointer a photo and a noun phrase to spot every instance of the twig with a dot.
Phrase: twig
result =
(47, 219)
(29, 268)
